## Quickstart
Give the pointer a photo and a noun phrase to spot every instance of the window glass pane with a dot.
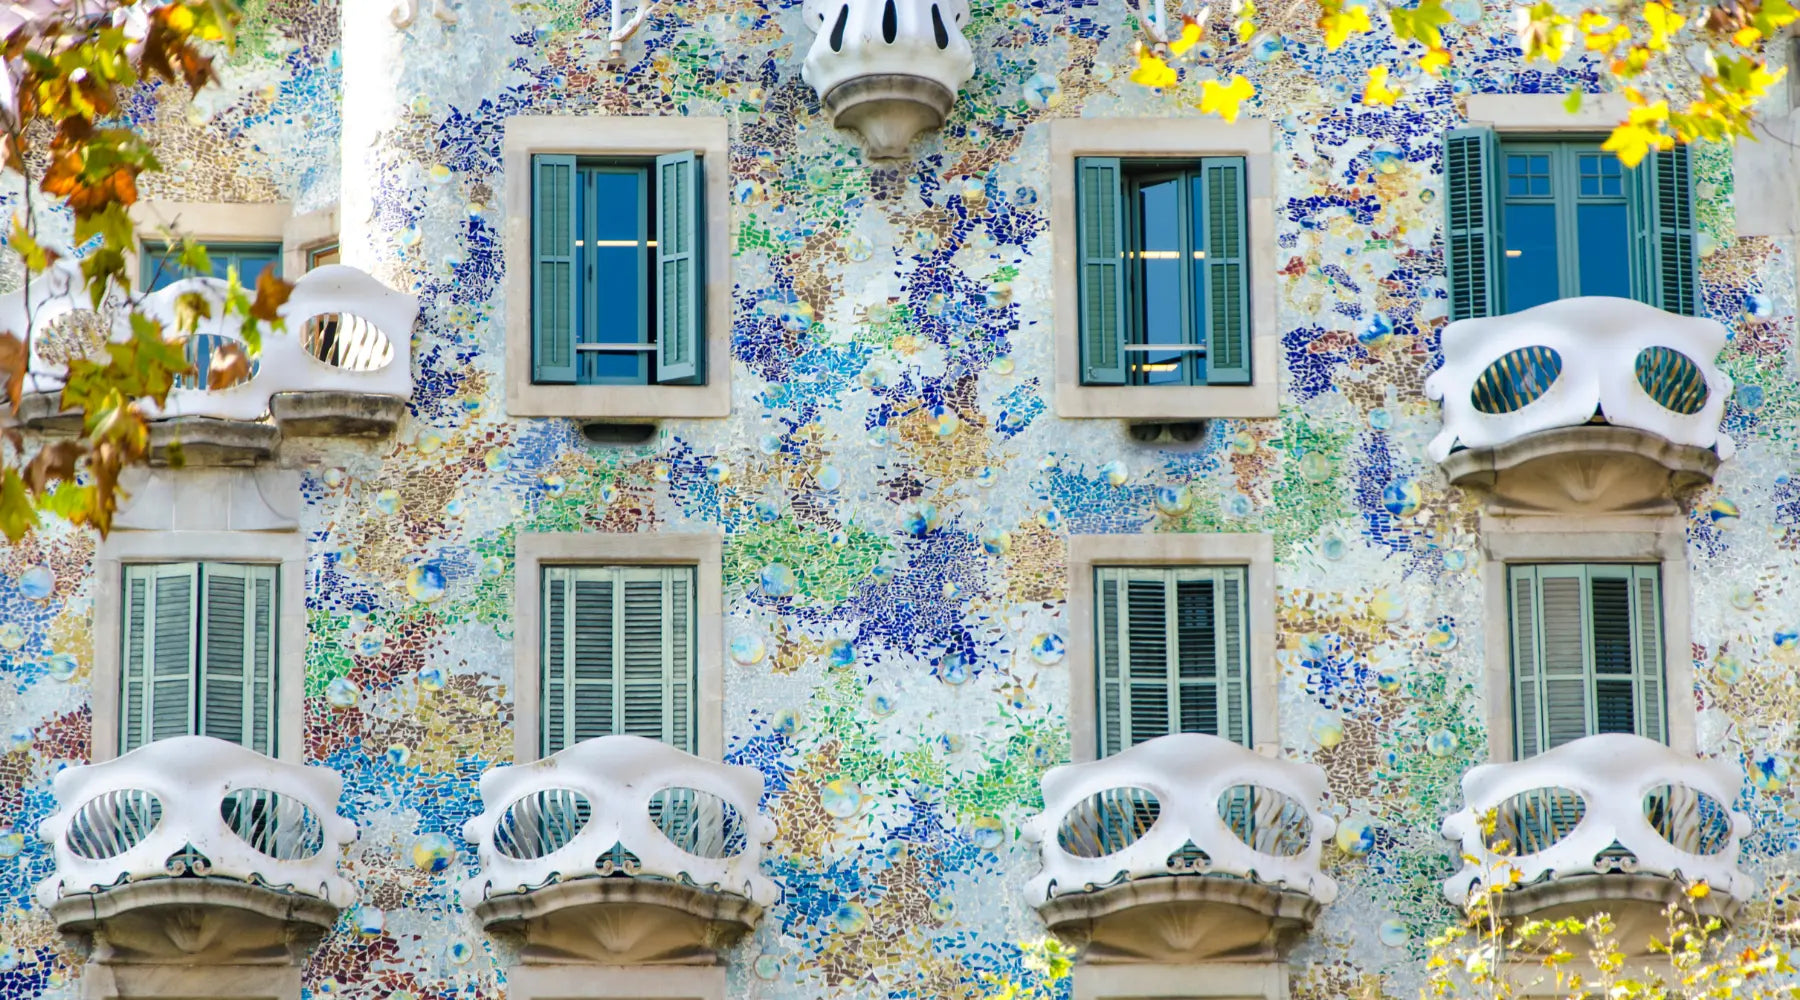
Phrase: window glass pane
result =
(1160, 268)
(1605, 245)
(1528, 175)
(1601, 176)
(1531, 258)
(324, 257)
(250, 264)
(613, 255)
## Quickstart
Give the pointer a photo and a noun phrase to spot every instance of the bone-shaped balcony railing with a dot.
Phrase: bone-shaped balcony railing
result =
(1613, 802)
(197, 806)
(620, 806)
(1561, 363)
(1182, 804)
(344, 332)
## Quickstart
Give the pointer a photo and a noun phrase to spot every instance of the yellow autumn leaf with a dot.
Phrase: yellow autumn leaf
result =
(1152, 71)
(1340, 22)
(1191, 33)
(1376, 91)
(1434, 61)
(1600, 34)
(1227, 99)
(1633, 140)
(1663, 22)
(1543, 31)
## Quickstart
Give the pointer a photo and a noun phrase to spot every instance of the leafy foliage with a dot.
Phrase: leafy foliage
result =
(66, 68)
(1643, 47)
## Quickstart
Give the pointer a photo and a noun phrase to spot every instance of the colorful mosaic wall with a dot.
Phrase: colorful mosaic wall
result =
(894, 488)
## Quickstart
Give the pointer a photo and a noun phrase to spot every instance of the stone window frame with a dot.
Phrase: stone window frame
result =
(602, 135)
(271, 222)
(1201, 981)
(119, 981)
(1658, 540)
(1255, 552)
(285, 550)
(1186, 138)
(536, 550)
(620, 982)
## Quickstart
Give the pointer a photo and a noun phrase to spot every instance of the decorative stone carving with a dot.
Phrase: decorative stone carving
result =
(196, 857)
(620, 851)
(1613, 822)
(888, 69)
(1591, 469)
(1184, 848)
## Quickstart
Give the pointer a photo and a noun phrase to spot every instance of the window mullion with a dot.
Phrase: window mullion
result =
(1565, 186)
(1191, 334)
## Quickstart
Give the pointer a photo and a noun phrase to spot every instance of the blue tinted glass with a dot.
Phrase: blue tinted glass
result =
(1160, 268)
(160, 268)
(1605, 250)
(613, 254)
(250, 265)
(1531, 263)
(1600, 176)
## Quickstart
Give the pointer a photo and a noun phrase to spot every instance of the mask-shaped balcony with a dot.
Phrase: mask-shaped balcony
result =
(620, 851)
(1584, 405)
(341, 366)
(889, 69)
(195, 852)
(1613, 823)
(1186, 848)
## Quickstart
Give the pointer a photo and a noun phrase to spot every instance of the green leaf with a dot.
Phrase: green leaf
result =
(17, 515)
(1572, 103)
(26, 245)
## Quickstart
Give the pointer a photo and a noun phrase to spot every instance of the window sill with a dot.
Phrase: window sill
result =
(620, 402)
(1172, 403)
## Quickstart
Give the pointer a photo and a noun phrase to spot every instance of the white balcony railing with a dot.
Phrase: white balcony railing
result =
(1182, 804)
(343, 332)
(1561, 363)
(1613, 802)
(620, 806)
(888, 68)
(197, 806)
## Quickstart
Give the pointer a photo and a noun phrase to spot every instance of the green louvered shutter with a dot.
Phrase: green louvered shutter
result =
(1172, 657)
(237, 654)
(1473, 241)
(618, 654)
(1100, 235)
(161, 610)
(1662, 213)
(1226, 242)
(556, 282)
(680, 276)
(1597, 650)
(1524, 605)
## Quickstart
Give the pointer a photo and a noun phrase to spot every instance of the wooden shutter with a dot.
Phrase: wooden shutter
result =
(1100, 237)
(1662, 214)
(1226, 245)
(556, 281)
(1473, 240)
(618, 654)
(162, 602)
(237, 652)
(680, 278)
(1171, 652)
(1594, 635)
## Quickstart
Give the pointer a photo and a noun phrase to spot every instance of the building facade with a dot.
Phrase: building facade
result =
(869, 490)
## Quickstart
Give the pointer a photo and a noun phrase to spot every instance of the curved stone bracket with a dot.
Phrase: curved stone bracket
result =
(1181, 919)
(621, 921)
(889, 69)
(1588, 469)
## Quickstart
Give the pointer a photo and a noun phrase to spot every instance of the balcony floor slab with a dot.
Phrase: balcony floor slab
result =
(1591, 469)
(195, 921)
(1637, 903)
(1182, 919)
(621, 921)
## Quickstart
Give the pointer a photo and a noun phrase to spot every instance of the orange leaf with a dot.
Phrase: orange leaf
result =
(15, 358)
(230, 365)
(271, 294)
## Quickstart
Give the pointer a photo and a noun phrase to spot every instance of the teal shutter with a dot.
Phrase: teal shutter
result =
(1100, 235)
(1587, 653)
(237, 654)
(1662, 214)
(680, 277)
(1473, 240)
(556, 284)
(161, 609)
(618, 654)
(1172, 657)
(1226, 244)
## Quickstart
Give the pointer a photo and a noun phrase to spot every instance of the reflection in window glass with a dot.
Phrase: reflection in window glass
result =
(1160, 267)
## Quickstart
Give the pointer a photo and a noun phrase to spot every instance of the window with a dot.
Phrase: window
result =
(617, 286)
(161, 263)
(199, 650)
(1164, 280)
(1171, 653)
(323, 256)
(1587, 653)
(1532, 221)
(618, 654)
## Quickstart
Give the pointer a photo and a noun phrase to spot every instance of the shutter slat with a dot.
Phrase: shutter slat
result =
(1564, 655)
(1527, 723)
(136, 675)
(680, 279)
(224, 652)
(1662, 212)
(555, 280)
(1100, 235)
(1472, 235)
(593, 675)
(556, 725)
(264, 678)
(175, 610)
(1233, 624)
(1110, 627)
(1226, 245)
(1171, 654)
(1652, 713)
